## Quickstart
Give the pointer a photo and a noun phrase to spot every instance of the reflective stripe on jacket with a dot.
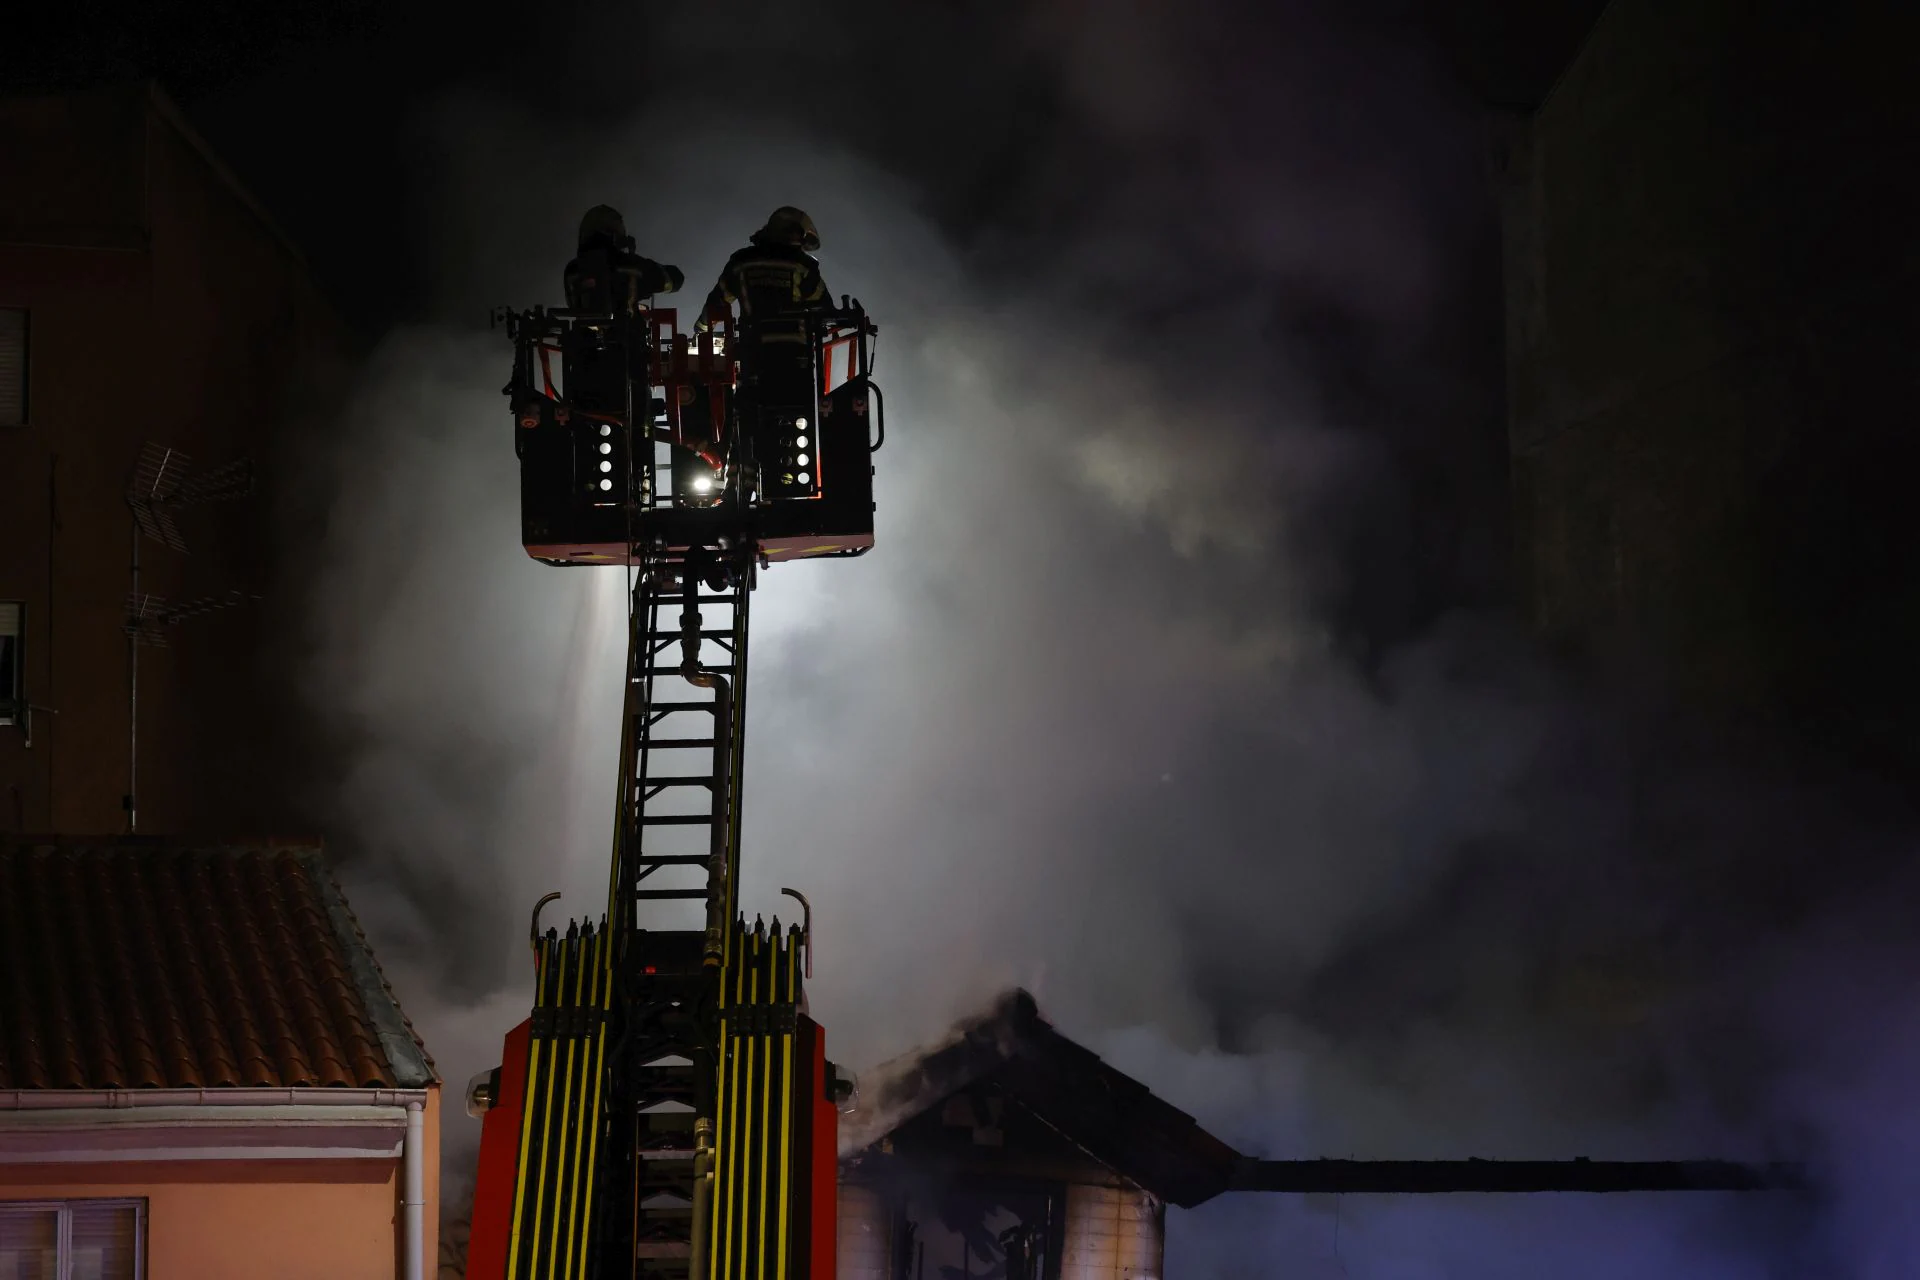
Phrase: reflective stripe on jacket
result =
(770, 282)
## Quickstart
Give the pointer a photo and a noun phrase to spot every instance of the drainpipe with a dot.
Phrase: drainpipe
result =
(414, 1207)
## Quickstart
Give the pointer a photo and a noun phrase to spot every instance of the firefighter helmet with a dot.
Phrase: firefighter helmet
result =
(788, 225)
(602, 225)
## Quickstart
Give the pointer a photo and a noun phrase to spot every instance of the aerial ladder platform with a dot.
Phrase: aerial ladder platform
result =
(668, 1109)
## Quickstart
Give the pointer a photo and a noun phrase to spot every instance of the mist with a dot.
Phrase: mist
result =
(1171, 691)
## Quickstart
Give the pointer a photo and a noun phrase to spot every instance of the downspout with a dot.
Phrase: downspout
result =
(414, 1206)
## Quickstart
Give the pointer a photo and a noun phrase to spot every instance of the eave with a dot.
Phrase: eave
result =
(120, 1126)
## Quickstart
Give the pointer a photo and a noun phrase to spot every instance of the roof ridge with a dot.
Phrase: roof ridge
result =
(1115, 1119)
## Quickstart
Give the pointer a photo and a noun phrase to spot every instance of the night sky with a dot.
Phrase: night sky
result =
(1186, 687)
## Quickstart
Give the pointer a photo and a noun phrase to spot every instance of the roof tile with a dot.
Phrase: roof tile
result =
(139, 964)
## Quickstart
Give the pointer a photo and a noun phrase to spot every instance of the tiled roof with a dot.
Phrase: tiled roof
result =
(1109, 1115)
(139, 964)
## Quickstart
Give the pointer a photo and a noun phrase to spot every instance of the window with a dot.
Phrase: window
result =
(13, 367)
(13, 697)
(72, 1239)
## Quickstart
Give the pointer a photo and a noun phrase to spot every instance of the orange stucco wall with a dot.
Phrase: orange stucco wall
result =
(251, 1220)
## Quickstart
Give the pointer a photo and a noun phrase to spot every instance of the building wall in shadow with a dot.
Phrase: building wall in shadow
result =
(160, 304)
(1710, 268)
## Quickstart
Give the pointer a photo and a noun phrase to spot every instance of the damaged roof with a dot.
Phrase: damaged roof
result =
(1109, 1115)
(142, 964)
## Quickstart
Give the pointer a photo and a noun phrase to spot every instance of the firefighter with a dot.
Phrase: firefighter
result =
(607, 276)
(775, 280)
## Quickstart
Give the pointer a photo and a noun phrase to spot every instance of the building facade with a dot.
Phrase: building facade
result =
(203, 1074)
(1708, 260)
(145, 300)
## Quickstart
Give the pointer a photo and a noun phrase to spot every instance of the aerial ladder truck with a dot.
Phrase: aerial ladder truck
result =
(668, 1110)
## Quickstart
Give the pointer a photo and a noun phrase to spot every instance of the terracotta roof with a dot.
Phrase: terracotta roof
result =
(1107, 1114)
(141, 964)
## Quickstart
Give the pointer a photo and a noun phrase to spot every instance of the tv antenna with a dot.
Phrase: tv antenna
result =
(164, 482)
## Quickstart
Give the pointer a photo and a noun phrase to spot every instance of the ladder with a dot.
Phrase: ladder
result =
(681, 745)
(671, 895)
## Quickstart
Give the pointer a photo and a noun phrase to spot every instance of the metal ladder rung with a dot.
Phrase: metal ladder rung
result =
(674, 859)
(668, 641)
(657, 895)
(677, 820)
(677, 744)
(662, 708)
(702, 780)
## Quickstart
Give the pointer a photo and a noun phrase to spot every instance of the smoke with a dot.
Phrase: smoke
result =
(1144, 700)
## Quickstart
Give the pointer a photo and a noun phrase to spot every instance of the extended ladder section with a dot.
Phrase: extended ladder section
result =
(674, 1115)
(678, 827)
(673, 878)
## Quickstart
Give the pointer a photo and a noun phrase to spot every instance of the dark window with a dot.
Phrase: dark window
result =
(13, 367)
(72, 1239)
(13, 617)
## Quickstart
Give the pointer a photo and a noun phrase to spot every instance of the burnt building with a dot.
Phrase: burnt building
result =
(1009, 1151)
(1709, 265)
(149, 308)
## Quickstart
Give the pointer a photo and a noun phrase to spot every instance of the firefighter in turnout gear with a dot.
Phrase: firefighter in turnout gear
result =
(775, 280)
(607, 276)
(776, 284)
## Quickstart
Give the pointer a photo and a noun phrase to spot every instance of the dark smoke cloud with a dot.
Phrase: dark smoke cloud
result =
(1146, 700)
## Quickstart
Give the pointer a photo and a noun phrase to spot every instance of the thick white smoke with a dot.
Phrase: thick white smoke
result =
(1081, 722)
